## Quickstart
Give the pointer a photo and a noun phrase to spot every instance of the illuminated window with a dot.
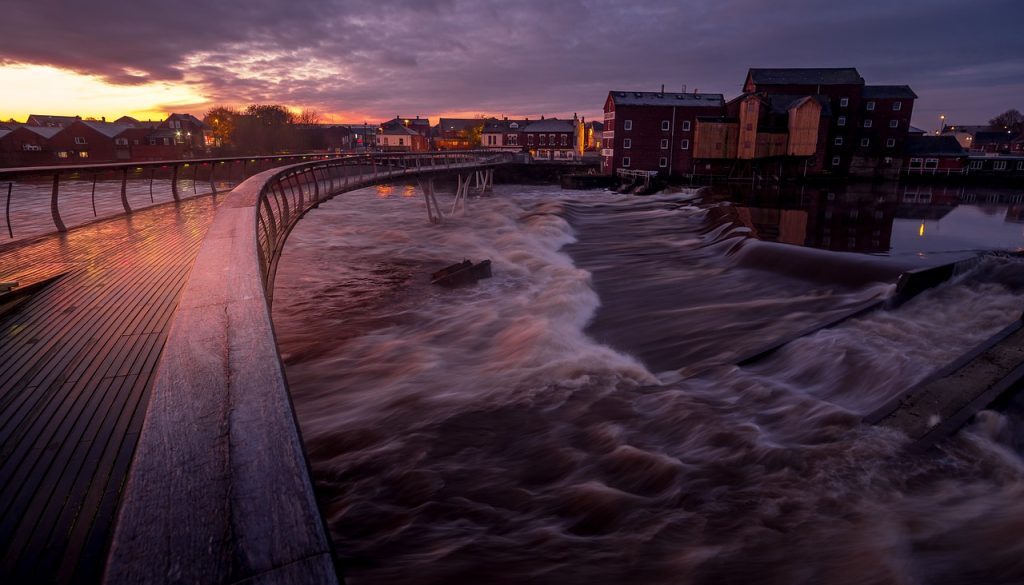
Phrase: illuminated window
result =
(686, 125)
(664, 143)
(625, 161)
(627, 125)
(665, 125)
(85, 154)
(121, 141)
(685, 145)
(62, 154)
(662, 162)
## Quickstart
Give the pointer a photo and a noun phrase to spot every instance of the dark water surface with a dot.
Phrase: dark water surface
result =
(578, 417)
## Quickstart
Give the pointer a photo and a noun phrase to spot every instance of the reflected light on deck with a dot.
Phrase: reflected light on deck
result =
(920, 231)
(385, 191)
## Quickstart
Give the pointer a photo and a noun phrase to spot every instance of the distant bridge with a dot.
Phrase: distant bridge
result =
(142, 398)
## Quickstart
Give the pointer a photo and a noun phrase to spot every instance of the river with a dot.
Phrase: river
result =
(578, 418)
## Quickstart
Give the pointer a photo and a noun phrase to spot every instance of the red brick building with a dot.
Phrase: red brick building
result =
(553, 139)
(933, 155)
(27, 146)
(654, 131)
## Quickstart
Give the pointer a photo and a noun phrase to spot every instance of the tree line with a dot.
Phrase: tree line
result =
(1011, 120)
(264, 129)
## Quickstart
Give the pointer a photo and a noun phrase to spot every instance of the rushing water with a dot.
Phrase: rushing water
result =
(577, 418)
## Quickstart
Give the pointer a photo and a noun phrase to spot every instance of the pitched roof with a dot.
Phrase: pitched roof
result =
(187, 118)
(459, 124)
(781, 103)
(44, 131)
(54, 121)
(657, 98)
(889, 92)
(399, 130)
(4, 132)
(550, 125)
(494, 125)
(108, 129)
(806, 76)
(933, 145)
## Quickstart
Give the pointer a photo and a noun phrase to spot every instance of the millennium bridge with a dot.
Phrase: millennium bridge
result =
(146, 429)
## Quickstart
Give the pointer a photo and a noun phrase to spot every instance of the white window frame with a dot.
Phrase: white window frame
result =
(663, 162)
(844, 102)
(627, 125)
(686, 125)
(627, 143)
(121, 141)
(685, 145)
(80, 140)
(870, 106)
(977, 165)
(664, 143)
(916, 163)
(1020, 166)
(931, 163)
(865, 142)
(999, 165)
(894, 123)
(868, 123)
(890, 142)
(836, 161)
(625, 162)
(565, 139)
(666, 125)
(841, 121)
(897, 106)
(838, 141)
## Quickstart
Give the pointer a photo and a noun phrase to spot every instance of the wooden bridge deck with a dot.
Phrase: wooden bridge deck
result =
(76, 364)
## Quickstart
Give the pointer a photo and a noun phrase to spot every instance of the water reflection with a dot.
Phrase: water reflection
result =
(893, 219)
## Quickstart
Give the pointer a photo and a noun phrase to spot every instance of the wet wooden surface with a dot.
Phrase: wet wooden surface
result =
(76, 364)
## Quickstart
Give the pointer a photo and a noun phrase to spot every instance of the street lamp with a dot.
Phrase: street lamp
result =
(942, 123)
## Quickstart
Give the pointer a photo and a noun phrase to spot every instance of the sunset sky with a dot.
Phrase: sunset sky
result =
(355, 60)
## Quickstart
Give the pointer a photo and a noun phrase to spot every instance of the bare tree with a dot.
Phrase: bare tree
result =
(1011, 120)
(308, 117)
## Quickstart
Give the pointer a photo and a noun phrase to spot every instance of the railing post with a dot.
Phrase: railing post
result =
(213, 186)
(7, 213)
(195, 177)
(152, 175)
(94, 194)
(54, 211)
(124, 190)
(174, 183)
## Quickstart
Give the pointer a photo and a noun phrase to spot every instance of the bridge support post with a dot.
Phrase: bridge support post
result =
(174, 183)
(434, 214)
(54, 211)
(124, 190)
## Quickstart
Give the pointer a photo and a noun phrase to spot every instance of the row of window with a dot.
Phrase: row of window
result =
(627, 143)
(870, 106)
(841, 121)
(665, 125)
(66, 154)
(999, 165)
(889, 142)
(545, 139)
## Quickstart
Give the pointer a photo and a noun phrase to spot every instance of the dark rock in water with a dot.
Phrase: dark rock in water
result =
(464, 272)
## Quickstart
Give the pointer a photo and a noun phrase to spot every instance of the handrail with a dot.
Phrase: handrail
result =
(219, 488)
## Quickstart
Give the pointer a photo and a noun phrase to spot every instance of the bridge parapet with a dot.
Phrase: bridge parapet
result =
(219, 490)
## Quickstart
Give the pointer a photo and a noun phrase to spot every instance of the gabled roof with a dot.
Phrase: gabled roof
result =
(44, 131)
(888, 92)
(188, 118)
(550, 125)
(51, 121)
(494, 125)
(943, 145)
(806, 76)
(657, 98)
(4, 132)
(399, 130)
(459, 124)
(781, 103)
(108, 129)
(915, 130)
(129, 121)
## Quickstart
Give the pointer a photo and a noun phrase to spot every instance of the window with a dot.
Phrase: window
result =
(625, 161)
(894, 123)
(686, 125)
(529, 139)
(999, 165)
(665, 125)
(839, 140)
(835, 159)
(867, 123)
(931, 163)
(897, 106)
(121, 141)
(85, 154)
(627, 143)
(1020, 166)
(685, 145)
(865, 142)
(915, 163)
(664, 143)
(890, 142)
(565, 139)
(976, 164)
(662, 162)
(551, 139)
(167, 142)
(152, 141)
(401, 142)
(79, 140)
(512, 139)
(62, 154)
(627, 125)
(841, 121)
(871, 106)
(543, 139)
(843, 103)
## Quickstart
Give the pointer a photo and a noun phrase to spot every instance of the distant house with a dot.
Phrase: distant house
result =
(87, 142)
(554, 139)
(25, 146)
(934, 155)
(993, 141)
(402, 138)
(51, 121)
(592, 134)
(417, 124)
(362, 135)
(503, 134)
(190, 133)
(458, 133)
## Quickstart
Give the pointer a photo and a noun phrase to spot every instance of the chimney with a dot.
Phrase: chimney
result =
(103, 118)
(662, 89)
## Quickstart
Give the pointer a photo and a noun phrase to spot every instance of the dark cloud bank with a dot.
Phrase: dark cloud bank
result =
(965, 59)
